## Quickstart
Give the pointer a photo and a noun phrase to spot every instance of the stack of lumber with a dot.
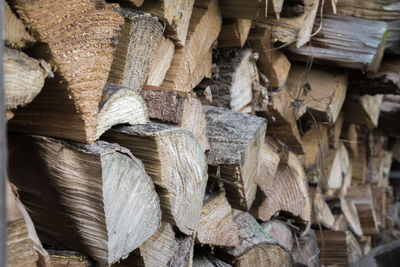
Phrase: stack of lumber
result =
(200, 132)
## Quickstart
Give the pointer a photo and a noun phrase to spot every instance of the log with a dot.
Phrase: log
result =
(235, 154)
(24, 78)
(182, 109)
(236, 77)
(243, 9)
(359, 44)
(14, 33)
(359, 165)
(269, 165)
(176, 14)
(23, 245)
(286, 192)
(183, 256)
(234, 33)
(338, 248)
(379, 203)
(204, 27)
(340, 223)
(367, 110)
(176, 163)
(60, 193)
(349, 137)
(138, 43)
(392, 44)
(321, 214)
(216, 227)
(306, 251)
(161, 62)
(385, 81)
(322, 90)
(279, 231)
(256, 248)
(347, 207)
(335, 131)
(272, 63)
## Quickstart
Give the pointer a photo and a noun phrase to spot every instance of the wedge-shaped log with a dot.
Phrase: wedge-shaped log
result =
(347, 207)
(359, 165)
(179, 108)
(236, 142)
(177, 164)
(367, 109)
(204, 28)
(15, 35)
(286, 192)
(234, 33)
(23, 78)
(315, 144)
(161, 62)
(175, 13)
(330, 177)
(281, 232)
(347, 42)
(85, 197)
(256, 248)
(216, 227)
(322, 90)
(321, 212)
(138, 43)
(237, 77)
(272, 63)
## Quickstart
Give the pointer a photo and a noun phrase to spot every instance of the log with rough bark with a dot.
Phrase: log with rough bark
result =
(281, 232)
(175, 13)
(244, 9)
(237, 76)
(161, 62)
(23, 245)
(363, 110)
(138, 43)
(322, 90)
(236, 142)
(338, 248)
(306, 252)
(14, 33)
(24, 78)
(204, 27)
(179, 108)
(256, 248)
(177, 164)
(216, 227)
(272, 63)
(348, 209)
(347, 42)
(286, 192)
(234, 33)
(321, 212)
(60, 192)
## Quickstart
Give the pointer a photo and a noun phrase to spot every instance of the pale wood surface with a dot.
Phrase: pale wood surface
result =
(15, 34)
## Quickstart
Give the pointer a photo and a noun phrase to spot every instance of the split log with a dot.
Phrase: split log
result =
(138, 43)
(349, 137)
(216, 227)
(234, 33)
(204, 27)
(71, 102)
(338, 248)
(235, 155)
(24, 78)
(347, 42)
(286, 192)
(281, 232)
(282, 122)
(183, 256)
(322, 90)
(340, 223)
(175, 13)
(272, 63)
(359, 165)
(347, 207)
(269, 165)
(179, 108)
(63, 258)
(236, 77)
(15, 35)
(176, 163)
(306, 252)
(23, 245)
(321, 212)
(363, 110)
(335, 131)
(379, 202)
(244, 9)
(256, 248)
(161, 62)
(59, 192)
(385, 81)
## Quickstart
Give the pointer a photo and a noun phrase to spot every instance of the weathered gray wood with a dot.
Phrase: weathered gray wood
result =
(346, 42)
(281, 232)
(305, 250)
(177, 164)
(85, 197)
(236, 142)
(183, 256)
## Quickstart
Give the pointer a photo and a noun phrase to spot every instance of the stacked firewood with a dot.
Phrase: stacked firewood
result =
(199, 132)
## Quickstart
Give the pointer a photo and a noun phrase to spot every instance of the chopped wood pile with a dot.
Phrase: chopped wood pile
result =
(201, 132)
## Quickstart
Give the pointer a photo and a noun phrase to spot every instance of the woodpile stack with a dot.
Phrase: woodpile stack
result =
(200, 132)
